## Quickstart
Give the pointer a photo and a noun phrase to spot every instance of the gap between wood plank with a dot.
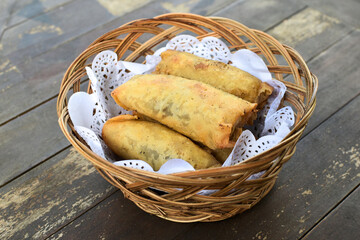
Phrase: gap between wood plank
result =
(29, 18)
(227, 7)
(12, 10)
(33, 107)
(28, 110)
(347, 103)
(41, 162)
(329, 212)
(71, 38)
(341, 39)
(81, 214)
(347, 195)
(36, 165)
(290, 16)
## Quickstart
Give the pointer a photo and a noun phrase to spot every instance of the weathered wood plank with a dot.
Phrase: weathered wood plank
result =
(259, 14)
(339, 75)
(14, 12)
(342, 223)
(347, 10)
(310, 32)
(194, 6)
(6, 7)
(25, 86)
(118, 218)
(49, 30)
(322, 171)
(23, 10)
(314, 181)
(48, 196)
(29, 140)
(10, 77)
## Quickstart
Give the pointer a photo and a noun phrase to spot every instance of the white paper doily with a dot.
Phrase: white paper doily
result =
(89, 112)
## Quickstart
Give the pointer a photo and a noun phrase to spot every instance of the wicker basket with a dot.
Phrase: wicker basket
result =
(235, 194)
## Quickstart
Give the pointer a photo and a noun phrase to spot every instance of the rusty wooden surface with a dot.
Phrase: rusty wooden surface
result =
(48, 190)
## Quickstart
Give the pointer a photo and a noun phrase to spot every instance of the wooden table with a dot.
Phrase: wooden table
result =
(48, 190)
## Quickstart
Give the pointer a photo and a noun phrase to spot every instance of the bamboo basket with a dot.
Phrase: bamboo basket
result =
(175, 197)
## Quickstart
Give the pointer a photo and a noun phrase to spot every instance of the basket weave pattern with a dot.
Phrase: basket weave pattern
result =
(176, 197)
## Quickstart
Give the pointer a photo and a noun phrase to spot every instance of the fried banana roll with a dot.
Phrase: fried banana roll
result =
(217, 74)
(195, 109)
(153, 143)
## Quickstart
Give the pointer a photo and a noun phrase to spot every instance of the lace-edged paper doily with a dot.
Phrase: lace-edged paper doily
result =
(89, 112)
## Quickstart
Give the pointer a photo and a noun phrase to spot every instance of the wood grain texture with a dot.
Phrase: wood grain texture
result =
(201, 7)
(261, 14)
(339, 74)
(346, 11)
(49, 30)
(26, 9)
(42, 33)
(342, 223)
(29, 140)
(10, 77)
(15, 12)
(50, 195)
(6, 8)
(118, 218)
(119, 8)
(310, 32)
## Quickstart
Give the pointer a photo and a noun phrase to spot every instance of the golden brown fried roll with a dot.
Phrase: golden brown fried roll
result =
(197, 110)
(218, 74)
(153, 143)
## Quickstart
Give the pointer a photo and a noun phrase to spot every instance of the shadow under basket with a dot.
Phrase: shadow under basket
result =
(176, 196)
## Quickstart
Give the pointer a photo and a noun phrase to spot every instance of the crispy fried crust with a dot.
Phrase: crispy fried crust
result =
(218, 74)
(153, 143)
(197, 110)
